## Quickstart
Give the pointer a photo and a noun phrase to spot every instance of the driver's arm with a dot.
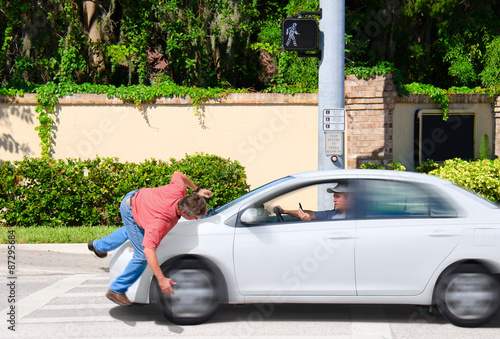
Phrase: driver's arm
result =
(302, 215)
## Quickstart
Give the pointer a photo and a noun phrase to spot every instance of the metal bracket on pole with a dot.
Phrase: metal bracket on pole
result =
(309, 55)
(319, 13)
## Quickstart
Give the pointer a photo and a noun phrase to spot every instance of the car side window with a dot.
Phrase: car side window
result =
(395, 199)
(264, 212)
(283, 208)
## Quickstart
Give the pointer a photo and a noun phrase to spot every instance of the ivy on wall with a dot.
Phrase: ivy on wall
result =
(442, 96)
(49, 93)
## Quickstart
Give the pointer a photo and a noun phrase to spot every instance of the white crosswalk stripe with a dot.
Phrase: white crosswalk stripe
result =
(38, 299)
(82, 294)
(67, 319)
(73, 286)
(76, 307)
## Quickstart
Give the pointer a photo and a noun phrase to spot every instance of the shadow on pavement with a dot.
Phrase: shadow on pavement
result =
(295, 313)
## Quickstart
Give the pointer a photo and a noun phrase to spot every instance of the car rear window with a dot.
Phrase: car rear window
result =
(398, 199)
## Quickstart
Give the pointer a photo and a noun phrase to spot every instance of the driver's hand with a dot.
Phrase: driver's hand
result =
(303, 215)
(281, 210)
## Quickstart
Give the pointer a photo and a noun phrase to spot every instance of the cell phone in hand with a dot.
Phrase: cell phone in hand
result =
(300, 206)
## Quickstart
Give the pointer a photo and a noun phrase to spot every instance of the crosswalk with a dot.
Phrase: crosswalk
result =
(76, 300)
(65, 306)
(67, 300)
(80, 299)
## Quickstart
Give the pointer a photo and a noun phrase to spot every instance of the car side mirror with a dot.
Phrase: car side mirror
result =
(250, 216)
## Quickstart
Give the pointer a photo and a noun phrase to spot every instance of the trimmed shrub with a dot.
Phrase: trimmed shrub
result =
(427, 166)
(394, 166)
(480, 176)
(69, 192)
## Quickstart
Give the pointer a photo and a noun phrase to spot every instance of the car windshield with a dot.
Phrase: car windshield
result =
(215, 211)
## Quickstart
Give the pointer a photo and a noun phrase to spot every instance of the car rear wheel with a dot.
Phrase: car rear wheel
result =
(468, 296)
(198, 292)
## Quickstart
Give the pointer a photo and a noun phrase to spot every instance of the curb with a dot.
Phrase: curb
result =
(78, 248)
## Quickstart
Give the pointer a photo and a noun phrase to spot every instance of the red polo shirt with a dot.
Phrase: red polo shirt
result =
(154, 210)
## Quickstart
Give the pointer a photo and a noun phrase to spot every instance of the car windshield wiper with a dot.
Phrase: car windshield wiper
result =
(209, 213)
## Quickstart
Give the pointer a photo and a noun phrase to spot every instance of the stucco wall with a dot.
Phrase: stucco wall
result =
(271, 140)
(272, 135)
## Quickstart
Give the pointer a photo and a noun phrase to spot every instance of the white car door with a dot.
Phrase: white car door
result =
(303, 258)
(295, 258)
(405, 233)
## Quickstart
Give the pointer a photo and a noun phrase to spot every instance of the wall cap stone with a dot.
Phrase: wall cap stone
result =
(229, 99)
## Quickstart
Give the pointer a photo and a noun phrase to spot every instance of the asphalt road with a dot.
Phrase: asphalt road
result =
(59, 292)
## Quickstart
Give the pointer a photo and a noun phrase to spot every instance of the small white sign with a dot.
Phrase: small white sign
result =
(334, 143)
(339, 112)
(334, 119)
(334, 127)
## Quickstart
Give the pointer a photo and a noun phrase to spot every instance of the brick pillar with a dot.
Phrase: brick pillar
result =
(369, 105)
(496, 121)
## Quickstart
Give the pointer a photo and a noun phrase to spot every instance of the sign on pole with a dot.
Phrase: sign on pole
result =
(299, 34)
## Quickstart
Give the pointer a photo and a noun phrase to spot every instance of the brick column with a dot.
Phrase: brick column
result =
(496, 121)
(369, 105)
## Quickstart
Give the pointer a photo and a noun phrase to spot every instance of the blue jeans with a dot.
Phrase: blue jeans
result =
(131, 231)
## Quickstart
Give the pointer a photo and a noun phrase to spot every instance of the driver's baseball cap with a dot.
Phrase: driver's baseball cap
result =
(340, 187)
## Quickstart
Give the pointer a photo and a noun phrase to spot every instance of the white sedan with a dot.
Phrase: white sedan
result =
(405, 238)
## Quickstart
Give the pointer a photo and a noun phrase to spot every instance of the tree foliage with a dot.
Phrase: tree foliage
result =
(444, 43)
(235, 43)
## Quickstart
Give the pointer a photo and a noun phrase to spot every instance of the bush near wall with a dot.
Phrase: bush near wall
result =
(70, 192)
(481, 176)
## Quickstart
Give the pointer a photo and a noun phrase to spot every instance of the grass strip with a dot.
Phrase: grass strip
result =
(54, 235)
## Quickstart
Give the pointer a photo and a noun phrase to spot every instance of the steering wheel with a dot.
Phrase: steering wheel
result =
(278, 214)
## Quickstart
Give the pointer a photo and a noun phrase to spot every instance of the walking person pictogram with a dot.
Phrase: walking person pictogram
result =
(291, 32)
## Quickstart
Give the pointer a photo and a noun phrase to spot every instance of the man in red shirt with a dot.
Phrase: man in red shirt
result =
(148, 215)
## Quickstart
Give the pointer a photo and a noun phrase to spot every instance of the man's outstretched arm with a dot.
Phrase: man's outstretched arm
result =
(165, 283)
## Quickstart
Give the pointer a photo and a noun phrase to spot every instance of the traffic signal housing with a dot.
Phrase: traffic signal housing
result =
(299, 34)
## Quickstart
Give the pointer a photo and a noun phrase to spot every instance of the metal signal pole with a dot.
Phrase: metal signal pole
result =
(331, 112)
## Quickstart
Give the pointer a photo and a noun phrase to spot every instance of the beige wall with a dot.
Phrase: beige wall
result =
(271, 141)
(271, 135)
(17, 132)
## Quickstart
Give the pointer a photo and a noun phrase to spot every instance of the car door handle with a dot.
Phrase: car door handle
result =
(340, 235)
(442, 233)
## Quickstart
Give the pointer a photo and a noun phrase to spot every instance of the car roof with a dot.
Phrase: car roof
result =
(371, 173)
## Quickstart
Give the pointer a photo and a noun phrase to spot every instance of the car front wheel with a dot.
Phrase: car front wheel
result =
(468, 296)
(198, 292)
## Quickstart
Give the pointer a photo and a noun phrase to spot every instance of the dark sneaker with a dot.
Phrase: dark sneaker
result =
(117, 298)
(90, 245)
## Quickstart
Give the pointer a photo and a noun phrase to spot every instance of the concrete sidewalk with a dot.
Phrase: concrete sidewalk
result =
(50, 259)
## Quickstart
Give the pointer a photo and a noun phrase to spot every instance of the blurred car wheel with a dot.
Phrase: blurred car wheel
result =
(198, 292)
(468, 296)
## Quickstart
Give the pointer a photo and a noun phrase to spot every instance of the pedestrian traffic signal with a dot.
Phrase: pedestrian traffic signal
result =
(299, 34)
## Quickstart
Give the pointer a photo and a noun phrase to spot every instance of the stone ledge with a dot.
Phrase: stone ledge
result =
(454, 99)
(230, 99)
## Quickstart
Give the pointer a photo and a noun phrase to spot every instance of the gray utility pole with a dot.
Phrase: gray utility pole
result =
(331, 112)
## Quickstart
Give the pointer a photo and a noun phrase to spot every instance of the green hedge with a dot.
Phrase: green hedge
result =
(48, 192)
(480, 176)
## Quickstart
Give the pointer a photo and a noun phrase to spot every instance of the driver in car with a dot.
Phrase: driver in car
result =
(340, 198)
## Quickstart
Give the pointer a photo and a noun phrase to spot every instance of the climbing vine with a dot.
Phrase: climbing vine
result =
(48, 95)
(442, 96)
